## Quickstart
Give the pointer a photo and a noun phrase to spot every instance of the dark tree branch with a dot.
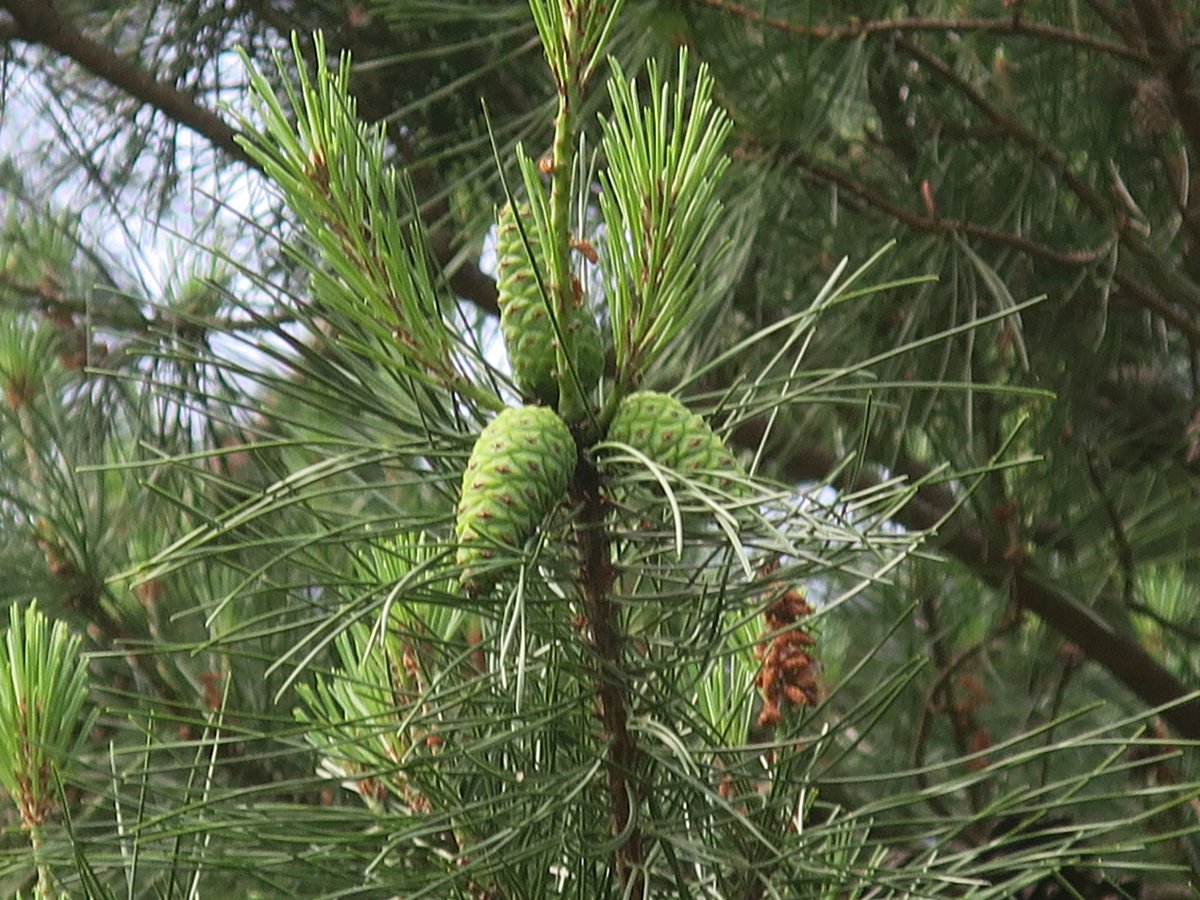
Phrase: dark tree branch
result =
(1133, 285)
(1109, 17)
(38, 22)
(1168, 282)
(1165, 277)
(939, 225)
(1026, 137)
(934, 509)
(1008, 25)
(1124, 658)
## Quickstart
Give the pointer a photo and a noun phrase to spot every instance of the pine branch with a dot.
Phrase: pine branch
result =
(121, 318)
(1167, 281)
(1041, 148)
(596, 577)
(1163, 622)
(1015, 25)
(1165, 277)
(1132, 284)
(467, 280)
(39, 22)
(1120, 654)
(936, 224)
(934, 508)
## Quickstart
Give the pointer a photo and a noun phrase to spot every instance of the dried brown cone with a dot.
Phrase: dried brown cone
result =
(789, 675)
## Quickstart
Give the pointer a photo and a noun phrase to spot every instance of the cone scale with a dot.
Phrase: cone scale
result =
(529, 332)
(518, 470)
(671, 435)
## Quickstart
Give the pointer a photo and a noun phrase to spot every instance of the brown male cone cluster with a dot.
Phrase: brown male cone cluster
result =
(789, 672)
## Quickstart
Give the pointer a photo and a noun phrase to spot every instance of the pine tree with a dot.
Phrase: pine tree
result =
(817, 523)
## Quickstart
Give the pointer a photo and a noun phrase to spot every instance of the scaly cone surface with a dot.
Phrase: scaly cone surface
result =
(518, 470)
(672, 436)
(529, 333)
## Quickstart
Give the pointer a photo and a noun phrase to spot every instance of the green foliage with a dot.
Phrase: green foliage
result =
(43, 692)
(895, 599)
(572, 36)
(370, 267)
(661, 211)
(44, 722)
(27, 360)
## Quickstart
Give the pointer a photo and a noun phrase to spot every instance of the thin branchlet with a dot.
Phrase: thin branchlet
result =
(596, 579)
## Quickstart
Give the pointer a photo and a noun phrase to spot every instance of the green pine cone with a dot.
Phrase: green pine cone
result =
(518, 469)
(672, 436)
(529, 334)
(587, 347)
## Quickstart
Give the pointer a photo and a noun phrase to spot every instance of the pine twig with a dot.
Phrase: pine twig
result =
(1120, 540)
(1131, 284)
(1010, 25)
(943, 687)
(40, 22)
(1121, 655)
(596, 577)
(1071, 660)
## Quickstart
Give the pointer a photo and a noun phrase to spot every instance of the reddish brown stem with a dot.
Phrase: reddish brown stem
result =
(596, 578)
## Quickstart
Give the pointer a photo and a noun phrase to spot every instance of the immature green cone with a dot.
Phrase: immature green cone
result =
(528, 332)
(671, 435)
(519, 468)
